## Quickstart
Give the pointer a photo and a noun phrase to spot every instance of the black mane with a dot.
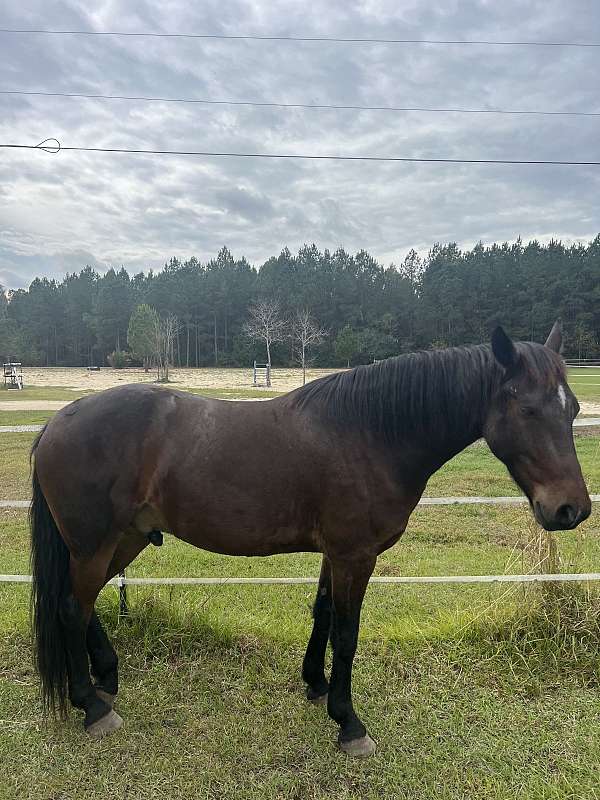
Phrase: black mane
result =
(422, 391)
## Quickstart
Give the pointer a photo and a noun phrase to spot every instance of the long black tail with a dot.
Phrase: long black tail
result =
(50, 571)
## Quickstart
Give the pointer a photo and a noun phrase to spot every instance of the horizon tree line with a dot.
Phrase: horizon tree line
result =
(369, 311)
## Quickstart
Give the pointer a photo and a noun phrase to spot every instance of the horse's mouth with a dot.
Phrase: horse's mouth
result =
(562, 520)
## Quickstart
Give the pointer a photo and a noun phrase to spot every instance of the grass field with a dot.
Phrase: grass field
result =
(585, 383)
(41, 393)
(470, 691)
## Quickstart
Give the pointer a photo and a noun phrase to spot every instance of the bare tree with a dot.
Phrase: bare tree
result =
(306, 332)
(266, 323)
(165, 331)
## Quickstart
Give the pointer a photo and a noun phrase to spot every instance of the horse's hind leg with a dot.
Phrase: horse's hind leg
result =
(87, 578)
(103, 660)
(313, 667)
(103, 657)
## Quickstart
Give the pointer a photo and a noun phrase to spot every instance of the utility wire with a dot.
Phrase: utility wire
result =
(268, 38)
(48, 146)
(268, 104)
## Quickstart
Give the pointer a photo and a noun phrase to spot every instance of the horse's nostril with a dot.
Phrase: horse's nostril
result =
(566, 515)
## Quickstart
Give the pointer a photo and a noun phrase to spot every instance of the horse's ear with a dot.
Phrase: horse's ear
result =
(503, 348)
(555, 337)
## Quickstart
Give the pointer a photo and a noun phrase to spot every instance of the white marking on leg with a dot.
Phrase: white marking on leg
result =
(562, 396)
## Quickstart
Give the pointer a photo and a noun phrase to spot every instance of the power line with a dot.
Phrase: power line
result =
(270, 104)
(274, 38)
(55, 148)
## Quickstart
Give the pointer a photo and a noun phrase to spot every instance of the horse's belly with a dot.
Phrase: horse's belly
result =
(245, 542)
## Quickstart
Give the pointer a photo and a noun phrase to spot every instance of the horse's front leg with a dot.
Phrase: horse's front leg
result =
(349, 583)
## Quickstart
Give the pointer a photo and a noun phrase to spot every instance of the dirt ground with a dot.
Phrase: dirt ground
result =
(282, 380)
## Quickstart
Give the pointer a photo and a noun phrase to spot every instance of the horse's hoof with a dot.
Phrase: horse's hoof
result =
(107, 724)
(316, 699)
(107, 698)
(361, 748)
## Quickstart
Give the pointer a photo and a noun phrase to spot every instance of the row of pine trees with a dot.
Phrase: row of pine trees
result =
(370, 311)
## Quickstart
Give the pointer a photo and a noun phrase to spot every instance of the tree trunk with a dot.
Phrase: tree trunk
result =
(215, 339)
(268, 343)
(187, 349)
(303, 365)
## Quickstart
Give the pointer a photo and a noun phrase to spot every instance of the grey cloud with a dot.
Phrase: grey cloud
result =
(18, 270)
(59, 212)
(249, 205)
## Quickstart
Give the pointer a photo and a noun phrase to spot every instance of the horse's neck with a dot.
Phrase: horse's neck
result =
(443, 439)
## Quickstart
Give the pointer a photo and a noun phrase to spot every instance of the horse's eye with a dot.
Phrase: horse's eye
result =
(528, 411)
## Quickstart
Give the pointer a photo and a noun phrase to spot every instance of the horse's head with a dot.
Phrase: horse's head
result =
(530, 428)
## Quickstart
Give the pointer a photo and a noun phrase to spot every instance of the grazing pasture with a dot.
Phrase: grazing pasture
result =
(476, 690)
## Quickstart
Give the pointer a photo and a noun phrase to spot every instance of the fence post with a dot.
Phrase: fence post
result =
(123, 607)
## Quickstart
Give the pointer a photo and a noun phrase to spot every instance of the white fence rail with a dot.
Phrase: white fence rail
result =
(389, 579)
(513, 500)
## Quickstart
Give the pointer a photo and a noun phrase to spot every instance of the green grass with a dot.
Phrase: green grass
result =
(25, 417)
(585, 383)
(14, 465)
(62, 393)
(42, 393)
(460, 705)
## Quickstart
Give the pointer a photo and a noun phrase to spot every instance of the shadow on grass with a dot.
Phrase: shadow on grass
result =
(158, 631)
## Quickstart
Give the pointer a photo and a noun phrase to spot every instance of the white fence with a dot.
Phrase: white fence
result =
(393, 579)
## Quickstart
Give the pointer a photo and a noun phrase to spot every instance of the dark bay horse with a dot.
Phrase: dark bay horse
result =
(335, 467)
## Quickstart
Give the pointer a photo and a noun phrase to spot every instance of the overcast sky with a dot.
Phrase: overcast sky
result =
(60, 212)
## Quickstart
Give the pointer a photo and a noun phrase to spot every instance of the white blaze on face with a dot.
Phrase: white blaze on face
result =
(562, 396)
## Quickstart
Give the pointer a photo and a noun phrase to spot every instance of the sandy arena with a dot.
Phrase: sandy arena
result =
(78, 378)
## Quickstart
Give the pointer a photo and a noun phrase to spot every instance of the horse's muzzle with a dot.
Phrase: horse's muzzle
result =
(564, 518)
